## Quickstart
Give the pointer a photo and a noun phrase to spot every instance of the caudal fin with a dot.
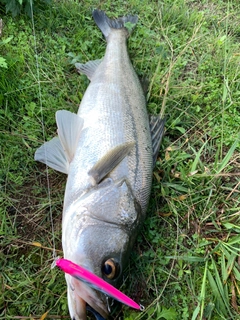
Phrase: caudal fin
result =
(106, 24)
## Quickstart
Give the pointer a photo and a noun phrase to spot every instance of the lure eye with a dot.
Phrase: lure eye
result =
(110, 269)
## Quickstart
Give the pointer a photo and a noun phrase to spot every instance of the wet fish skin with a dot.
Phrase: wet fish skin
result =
(114, 112)
(106, 150)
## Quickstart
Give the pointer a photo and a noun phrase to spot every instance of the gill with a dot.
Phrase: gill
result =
(43, 128)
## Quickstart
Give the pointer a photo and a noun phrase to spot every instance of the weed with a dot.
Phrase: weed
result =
(16, 7)
(185, 264)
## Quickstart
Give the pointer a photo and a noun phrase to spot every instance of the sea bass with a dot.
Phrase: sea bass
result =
(108, 150)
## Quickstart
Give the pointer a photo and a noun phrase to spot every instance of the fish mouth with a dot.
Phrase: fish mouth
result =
(82, 298)
(96, 314)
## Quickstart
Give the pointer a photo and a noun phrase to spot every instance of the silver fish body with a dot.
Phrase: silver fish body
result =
(106, 150)
(114, 112)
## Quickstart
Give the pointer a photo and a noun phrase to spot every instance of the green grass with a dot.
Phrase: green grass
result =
(186, 260)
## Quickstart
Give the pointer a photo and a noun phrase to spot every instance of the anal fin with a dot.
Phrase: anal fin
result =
(109, 161)
(157, 132)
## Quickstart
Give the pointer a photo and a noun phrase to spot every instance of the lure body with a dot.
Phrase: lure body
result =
(95, 282)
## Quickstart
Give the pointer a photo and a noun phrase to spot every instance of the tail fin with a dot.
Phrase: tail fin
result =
(105, 24)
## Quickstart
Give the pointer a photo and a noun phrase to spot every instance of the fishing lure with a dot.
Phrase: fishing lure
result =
(94, 281)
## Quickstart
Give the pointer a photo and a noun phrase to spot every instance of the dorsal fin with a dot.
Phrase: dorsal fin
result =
(157, 132)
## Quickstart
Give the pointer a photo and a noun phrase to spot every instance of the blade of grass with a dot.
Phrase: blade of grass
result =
(201, 303)
(230, 265)
(215, 291)
(197, 156)
(228, 156)
(221, 291)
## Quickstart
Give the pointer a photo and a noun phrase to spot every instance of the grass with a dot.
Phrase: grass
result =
(186, 260)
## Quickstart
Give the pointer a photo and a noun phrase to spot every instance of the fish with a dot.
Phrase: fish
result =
(108, 151)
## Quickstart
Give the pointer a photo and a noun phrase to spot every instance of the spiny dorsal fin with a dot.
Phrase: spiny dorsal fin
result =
(88, 68)
(109, 161)
(69, 130)
(52, 154)
(157, 132)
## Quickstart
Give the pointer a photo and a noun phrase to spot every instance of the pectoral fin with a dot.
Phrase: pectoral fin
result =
(108, 162)
(157, 132)
(88, 68)
(69, 130)
(59, 152)
(52, 154)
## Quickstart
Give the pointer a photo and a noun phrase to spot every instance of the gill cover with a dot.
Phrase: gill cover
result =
(112, 202)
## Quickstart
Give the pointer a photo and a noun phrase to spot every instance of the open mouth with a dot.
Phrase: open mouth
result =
(84, 287)
(95, 313)
(82, 298)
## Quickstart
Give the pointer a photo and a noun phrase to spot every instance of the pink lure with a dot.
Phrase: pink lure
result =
(94, 281)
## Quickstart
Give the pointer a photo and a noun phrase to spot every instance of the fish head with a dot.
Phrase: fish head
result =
(98, 233)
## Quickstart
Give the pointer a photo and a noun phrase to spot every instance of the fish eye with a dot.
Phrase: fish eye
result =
(110, 269)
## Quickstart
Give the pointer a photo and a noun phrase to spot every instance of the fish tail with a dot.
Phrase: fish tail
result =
(106, 24)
